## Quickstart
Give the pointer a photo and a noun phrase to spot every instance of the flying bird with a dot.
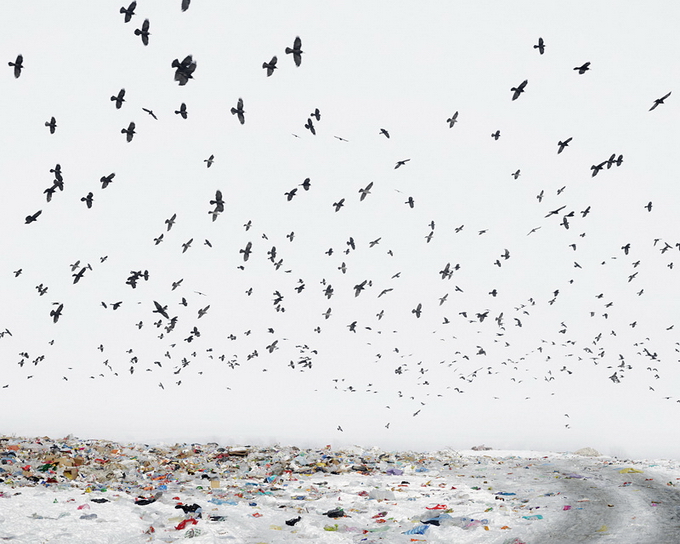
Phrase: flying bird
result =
(129, 11)
(583, 68)
(182, 111)
(151, 113)
(246, 251)
(18, 65)
(238, 111)
(310, 126)
(144, 32)
(384, 133)
(185, 4)
(31, 218)
(562, 144)
(339, 204)
(296, 51)
(365, 192)
(56, 314)
(119, 98)
(306, 184)
(516, 91)
(170, 222)
(401, 163)
(209, 161)
(316, 114)
(107, 180)
(88, 199)
(130, 131)
(52, 124)
(496, 135)
(452, 120)
(540, 46)
(657, 102)
(184, 70)
(417, 310)
(270, 66)
(163, 310)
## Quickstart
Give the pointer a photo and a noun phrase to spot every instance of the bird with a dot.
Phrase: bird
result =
(316, 114)
(56, 314)
(562, 144)
(246, 251)
(417, 310)
(238, 111)
(597, 167)
(182, 111)
(184, 70)
(144, 32)
(88, 199)
(32, 218)
(401, 163)
(151, 113)
(339, 204)
(18, 65)
(540, 46)
(129, 11)
(515, 174)
(516, 91)
(107, 180)
(163, 310)
(411, 203)
(170, 222)
(185, 4)
(384, 133)
(657, 102)
(203, 311)
(52, 124)
(120, 97)
(583, 68)
(365, 192)
(496, 135)
(290, 194)
(130, 131)
(452, 120)
(209, 161)
(306, 184)
(296, 51)
(270, 66)
(218, 202)
(648, 206)
(187, 245)
(310, 126)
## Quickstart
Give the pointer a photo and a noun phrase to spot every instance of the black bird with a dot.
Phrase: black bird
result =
(185, 4)
(365, 192)
(18, 65)
(496, 135)
(130, 131)
(182, 111)
(310, 126)
(540, 46)
(238, 111)
(163, 310)
(184, 70)
(144, 32)
(270, 66)
(316, 114)
(151, 113)
(32, 218)
(339, 204)
(515, 174)
(49, 192)
(129, 11)
(170, 222)
(417, 310)
(289, 195)
(52, 123)
(306, 184)
(218, 202)
(209, 161)
(296, 51)
(452, 120)
(410, 202)
(657, 102)
(562, 144)
(88, 199)
(385, 133)
(187, 245)
(57, 173)
(107, 180)
(597, 167)
(583, 68)
(56, 314)
(649, 206)
(246, 251)
(516, 91)
(120, 98)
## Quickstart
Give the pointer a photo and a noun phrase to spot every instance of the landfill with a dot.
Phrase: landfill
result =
(95, 491)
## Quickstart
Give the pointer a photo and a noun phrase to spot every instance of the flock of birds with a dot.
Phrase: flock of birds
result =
(467, 365)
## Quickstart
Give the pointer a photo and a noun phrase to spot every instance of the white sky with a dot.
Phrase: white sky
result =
(405, 67)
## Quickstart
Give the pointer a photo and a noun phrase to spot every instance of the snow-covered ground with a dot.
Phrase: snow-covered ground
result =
(74, 491)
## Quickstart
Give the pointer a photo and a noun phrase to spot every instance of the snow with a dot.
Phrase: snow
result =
(246, 495)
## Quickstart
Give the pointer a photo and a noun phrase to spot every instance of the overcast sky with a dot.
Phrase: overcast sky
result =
(564, 341)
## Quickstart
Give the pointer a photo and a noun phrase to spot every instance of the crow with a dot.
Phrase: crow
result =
(218, 202)
(270, 66)
(56, 314)
(316, 114)
(339, 204)
(18, 65)
(365, 192)
(385, 133)
(52, 123)
(144, 32)
(496, 135)
(238, 111)
(540, 46)
(516, 91)
(562, 144)
(184, 70)
(185, 4)
(306, 184)
(32, 218)
(129, 11)
(401, 163)
(182, 111)
(310, 126)
(163, 310)
(209, 162)
(246, 251)
(657, 102)
(107, 180)
(296, 51)
(170, 222)
(452, 120)
(583, 68)
(130, 131)
(88, 199)
(119, 99)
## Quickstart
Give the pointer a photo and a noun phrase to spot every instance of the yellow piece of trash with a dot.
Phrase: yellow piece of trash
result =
(627, 470)
(603, 529)
(275, 527)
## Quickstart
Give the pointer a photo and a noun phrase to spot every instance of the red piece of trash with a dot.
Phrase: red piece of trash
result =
(438, 507)
(183, 524)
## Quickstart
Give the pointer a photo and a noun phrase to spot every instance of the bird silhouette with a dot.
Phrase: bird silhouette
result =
(270, 66)
(129, 132)
(52, 124)
(209, 161)
(88, 199)
(184, 71)
(32, 218)
(309, 125)
(182, 111)
(339, 204)
(185, 4)
(56, 313)
(144, 32)
(18, 65)
(516, 91)
(365, 191)
(107, 180)
(561, 145)
(238, 111)
(151, 113)
(119, 98)
(316, 114)
(657, 102)
(246, 251)
(540, 46)
(583, 68)
(452, 120)
(296, 51)
(496, 135)
(401, 163)
(129, 11)
(384, 133)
